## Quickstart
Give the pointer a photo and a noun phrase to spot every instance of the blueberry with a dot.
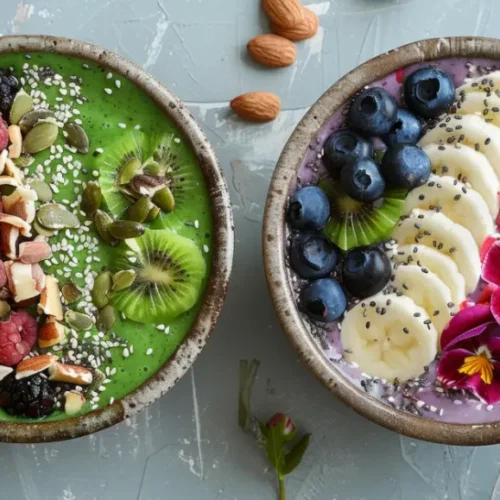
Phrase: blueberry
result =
(373, 112)
(366, 271)
(344, 146)
(309, 209)
(405, 166)
(313, 256)
(406, 130)
(429, 92)
(323, 300)
(362, 180)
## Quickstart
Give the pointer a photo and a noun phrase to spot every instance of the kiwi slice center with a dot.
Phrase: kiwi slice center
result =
(153, 273)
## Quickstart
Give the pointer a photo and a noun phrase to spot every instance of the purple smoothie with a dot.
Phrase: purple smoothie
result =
(421, 398)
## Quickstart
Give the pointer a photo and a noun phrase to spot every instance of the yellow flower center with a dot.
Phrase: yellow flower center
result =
(479, 363)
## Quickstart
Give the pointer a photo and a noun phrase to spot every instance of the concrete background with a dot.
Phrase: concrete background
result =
(196, 47)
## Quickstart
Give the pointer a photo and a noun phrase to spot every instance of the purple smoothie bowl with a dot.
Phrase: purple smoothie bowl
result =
(461, 421)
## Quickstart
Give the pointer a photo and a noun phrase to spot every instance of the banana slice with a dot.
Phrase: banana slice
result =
(437, 231)
(480, 104)
(390, 337)
(436, 262)
(460, 204)
(487, 83)
(427, 291)
(469, 130)
(468, 165)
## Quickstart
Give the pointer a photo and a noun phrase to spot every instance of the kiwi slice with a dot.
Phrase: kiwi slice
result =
(355, 223)
(169, 272)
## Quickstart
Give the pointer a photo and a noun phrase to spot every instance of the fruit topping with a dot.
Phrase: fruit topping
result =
(72, 374)
(323, 300)
(429, 92)
(366, 271)
(17, 337)
(34, 365)
(373, 112)
(4, 138)
(32, 397)
(8, 90)
(406, 130)
(342, 147)
(313, 256)
(309, 208)
(405, 166)
(389, 337)
(362, 180)
(73, 402)
(169, 270)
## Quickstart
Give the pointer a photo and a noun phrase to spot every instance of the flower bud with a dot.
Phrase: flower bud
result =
(289, 431)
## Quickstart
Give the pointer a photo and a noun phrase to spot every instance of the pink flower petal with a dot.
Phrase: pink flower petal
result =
(495, 305)
(491, 264)
(448, 366)
(486, 245)
(471, 338)
(487, 393)
(486, 293)
(465, 320)
(493, 344)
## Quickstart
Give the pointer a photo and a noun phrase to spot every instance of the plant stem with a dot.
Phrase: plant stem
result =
(281, 483)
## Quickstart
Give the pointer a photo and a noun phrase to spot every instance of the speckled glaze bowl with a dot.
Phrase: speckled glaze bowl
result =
(274, 239)
(185, 355)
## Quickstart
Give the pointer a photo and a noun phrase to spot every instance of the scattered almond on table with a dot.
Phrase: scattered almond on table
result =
(290, 22)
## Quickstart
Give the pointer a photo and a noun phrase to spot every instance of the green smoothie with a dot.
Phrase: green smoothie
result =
(109, 108)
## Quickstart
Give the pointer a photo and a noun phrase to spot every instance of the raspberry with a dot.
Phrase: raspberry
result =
(17, 337)
(4, 135)
(31, 397)
(8, 89)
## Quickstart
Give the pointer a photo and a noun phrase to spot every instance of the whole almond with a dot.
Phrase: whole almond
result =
(301, 31)
(272, 50)
(287, 13)
(257, 106)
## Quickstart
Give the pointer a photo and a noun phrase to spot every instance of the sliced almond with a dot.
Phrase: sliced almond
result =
(16, 139)
(4, 371)
(9, 236)
(50, 299)
(21, 283)
(72, 374)
(13, 171)
(73, 402)
(13, 220)
(3, 158)
(19, 207)
(39, 276)
(31, 252)
(34, 365)
(51, 333)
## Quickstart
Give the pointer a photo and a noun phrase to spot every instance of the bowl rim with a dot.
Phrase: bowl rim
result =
(223, 246)
(274, 237)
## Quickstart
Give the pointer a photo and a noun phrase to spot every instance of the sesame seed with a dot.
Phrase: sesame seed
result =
(118, 84)
(160, 327)
(122, 125)
(367, 325)
(205, 248)
(149, 352)
(108, 91)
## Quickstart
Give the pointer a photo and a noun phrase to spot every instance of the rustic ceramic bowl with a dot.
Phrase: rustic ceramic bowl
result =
(213, 299)
(274, 237)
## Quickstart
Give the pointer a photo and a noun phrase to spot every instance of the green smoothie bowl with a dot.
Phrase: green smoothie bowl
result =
(116, 239)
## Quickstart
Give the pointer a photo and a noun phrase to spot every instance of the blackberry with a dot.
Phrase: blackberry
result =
(31, 397)
(8, 89)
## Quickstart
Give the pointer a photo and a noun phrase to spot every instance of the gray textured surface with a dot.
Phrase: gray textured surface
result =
(188, 445)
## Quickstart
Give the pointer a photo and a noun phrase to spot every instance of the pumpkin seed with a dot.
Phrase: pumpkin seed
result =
(78, 321)
(152, 167)
(164, 199)
(123, 279)
(42, 190)
(25, 160)
(139, 211)
(102, 286)
(4, 309)
(129, 170)
(54, 216)
(40, 137)
(125, 229)
(102, 222)
(92, 198)
(77, 137)
(30, 119)
(22, 104)
(153, 213)
(70, 292)
(42, 231)
(107, 318)
(128, 193)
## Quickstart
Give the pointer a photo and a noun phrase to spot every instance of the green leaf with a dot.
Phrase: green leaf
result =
(247, 379)
(294, 456)
(275, 446)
